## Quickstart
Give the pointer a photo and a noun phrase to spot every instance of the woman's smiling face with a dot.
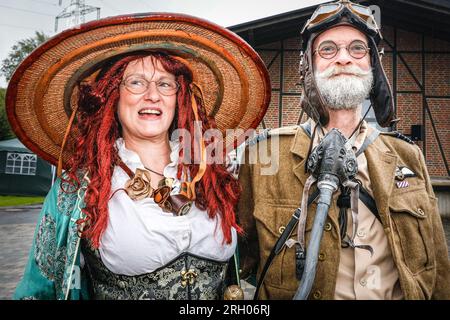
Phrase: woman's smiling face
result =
(148, 114)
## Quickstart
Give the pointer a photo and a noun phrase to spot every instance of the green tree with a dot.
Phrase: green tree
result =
(5, 129)
(20, 51)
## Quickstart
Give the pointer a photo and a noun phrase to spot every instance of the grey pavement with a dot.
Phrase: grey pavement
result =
(16, 234)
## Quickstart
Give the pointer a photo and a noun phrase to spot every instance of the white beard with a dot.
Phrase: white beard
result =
(344, 91)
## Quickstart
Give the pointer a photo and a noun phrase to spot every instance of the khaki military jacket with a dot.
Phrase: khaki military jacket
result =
(409, 216)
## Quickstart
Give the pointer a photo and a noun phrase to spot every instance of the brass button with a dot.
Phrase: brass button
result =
(317, 295)
(328, 226)
(188, 277)
(322, 256)
(361, 233)
(420, 211)
(240, 271)
(281, 229)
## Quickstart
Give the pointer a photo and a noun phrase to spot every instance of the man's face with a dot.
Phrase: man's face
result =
(342, 36)
(344, 80)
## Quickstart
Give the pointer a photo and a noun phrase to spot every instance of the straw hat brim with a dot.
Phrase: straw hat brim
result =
(41, 94)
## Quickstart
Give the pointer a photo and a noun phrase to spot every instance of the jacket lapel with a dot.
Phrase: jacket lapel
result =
(300, 150)
(381, 163)
(72, 273)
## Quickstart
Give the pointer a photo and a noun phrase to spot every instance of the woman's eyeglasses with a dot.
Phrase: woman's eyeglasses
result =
(139, 85)
(328, 49)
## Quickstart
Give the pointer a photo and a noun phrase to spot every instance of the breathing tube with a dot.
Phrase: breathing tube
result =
(332, 163)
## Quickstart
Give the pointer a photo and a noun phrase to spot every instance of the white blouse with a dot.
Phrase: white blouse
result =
(141, 238)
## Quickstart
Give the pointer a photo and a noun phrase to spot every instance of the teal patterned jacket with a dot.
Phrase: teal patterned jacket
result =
(53, 269)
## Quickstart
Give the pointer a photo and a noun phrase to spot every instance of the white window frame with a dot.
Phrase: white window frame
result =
(21, 163)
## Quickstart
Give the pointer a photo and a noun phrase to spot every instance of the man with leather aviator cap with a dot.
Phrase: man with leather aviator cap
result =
(382, 236)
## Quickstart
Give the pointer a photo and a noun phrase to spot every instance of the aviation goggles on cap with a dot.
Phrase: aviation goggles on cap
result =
(326, 14)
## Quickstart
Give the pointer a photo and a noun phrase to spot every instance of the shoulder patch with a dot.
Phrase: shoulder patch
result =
(266, 133)
(284, 131)
(398, 135)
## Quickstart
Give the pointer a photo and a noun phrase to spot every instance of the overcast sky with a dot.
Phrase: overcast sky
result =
(19, 19)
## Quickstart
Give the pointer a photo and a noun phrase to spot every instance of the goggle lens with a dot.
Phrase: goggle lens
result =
(325, 11)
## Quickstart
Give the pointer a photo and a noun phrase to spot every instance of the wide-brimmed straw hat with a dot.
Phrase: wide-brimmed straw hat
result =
(43, 91)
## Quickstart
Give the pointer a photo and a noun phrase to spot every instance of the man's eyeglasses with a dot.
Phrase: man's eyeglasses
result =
(328, 49)
(139, 85)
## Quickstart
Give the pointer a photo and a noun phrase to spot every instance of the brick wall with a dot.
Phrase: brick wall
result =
(413, 69)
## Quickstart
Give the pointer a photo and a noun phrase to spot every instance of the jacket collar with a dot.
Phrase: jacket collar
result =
(381, 163)
(300, 149)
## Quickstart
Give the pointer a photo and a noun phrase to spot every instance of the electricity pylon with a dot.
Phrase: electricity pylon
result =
(76, 11)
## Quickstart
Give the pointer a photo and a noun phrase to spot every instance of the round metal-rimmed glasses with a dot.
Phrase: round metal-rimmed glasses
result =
(328, 49)
(139, 85)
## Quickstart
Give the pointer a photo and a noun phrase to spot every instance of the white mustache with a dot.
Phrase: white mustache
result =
(344, 92)
(336, 70)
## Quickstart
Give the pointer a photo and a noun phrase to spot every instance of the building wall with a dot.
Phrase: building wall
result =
(418, 69)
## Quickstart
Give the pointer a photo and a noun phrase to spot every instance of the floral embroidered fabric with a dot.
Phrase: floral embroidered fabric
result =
(186, 277)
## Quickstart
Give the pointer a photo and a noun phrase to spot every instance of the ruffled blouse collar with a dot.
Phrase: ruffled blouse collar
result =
(133, 161)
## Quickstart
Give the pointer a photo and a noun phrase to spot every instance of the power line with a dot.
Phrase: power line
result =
(146, 4)
(46, 2)
(30, 11)
(22, 27)
(110, 6)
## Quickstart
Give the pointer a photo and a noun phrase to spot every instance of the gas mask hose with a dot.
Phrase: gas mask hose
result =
(333, 163)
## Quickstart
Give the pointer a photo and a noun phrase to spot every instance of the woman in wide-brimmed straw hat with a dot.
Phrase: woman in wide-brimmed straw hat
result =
(140, 211)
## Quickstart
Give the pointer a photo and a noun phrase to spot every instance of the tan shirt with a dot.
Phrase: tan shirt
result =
(360, 275)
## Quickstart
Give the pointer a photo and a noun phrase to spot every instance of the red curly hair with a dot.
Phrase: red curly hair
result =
(95, 151)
